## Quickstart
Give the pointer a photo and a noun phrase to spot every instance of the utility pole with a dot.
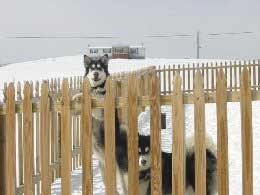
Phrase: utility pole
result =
(198, 44)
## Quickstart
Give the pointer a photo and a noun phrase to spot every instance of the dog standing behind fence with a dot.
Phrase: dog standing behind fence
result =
(96, 71)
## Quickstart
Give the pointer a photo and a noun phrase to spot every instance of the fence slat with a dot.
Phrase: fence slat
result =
(160, 79)
(200, 146)
(164, 80)
(65, 141)
(74, 137)
(178, 171)
(247, 136)
(212, 77)
(207, 77)
(169, 80)
(222, 128)
(45, 140)
(133, 167)
(235, 74)
(188, 79)
(20, 136)
(230, 75)
(254, 74)
(10, 142)
(53, 130)
(110, 166)
(2, 153)
(28, 140)
(156, 177)
(86, 130)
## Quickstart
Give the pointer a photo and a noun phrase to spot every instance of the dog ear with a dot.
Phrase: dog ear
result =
(104, 60)
(87, 61)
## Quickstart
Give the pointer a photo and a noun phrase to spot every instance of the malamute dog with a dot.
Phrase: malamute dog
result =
(96, 70)
(145, 167)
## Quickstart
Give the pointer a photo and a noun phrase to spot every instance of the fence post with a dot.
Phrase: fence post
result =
(28, 140)
(2, 154)
(200, 145)
(10, 142)
(86, 130)
(110, 159)
(37, 134)
(156, 169)
(45, 140)
(133, 174)
(222, 135)
(2, 146)
(247, 135)
(65, 140)
(178, 133)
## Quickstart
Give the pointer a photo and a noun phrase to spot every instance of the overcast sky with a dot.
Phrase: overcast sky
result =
(130, 21)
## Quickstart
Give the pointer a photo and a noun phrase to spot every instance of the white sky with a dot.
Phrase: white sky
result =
(130, 20)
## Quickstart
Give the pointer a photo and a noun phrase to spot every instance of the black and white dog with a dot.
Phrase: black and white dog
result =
(96, 70)
(145, 167)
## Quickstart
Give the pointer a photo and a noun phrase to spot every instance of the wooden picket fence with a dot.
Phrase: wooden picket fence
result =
(47, 119)
(38, 115)
(209, 72)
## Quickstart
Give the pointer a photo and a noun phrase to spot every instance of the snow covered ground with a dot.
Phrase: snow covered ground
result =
(72, 65)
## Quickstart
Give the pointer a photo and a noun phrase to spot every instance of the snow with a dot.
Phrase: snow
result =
(73, 66)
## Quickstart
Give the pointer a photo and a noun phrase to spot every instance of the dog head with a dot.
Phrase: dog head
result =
(96, 70)
(144, 152)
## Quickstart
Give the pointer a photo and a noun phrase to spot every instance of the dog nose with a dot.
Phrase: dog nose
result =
(95, 74)
(143, 162)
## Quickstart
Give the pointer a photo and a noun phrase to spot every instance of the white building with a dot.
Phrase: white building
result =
(118, 51)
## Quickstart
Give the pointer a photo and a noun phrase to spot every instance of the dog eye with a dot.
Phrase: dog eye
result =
(146, 149)
(98, 66)
(93, 66)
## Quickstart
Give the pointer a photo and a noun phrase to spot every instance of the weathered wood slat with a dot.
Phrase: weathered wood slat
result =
(110, 163)
(45, 140)
(65, 141)
(200, 133)
(183, 80)
(10, 151)
(254, 74)
(230, 76)
(169, 79)
(20, 136)
(160, 79)
(247, 135)
(164, 80)
(28, 140)
(156, 174)
(133, 167)
(207, 77)
(178, 163)
(53, 130)
(86, 129)
(189, 81)
(37, 134)
(74, 138)
(235, 75)
(212, 78)
(222, 135)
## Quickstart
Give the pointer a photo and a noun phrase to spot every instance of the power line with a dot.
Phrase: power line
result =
(61, 37)
(231, 33)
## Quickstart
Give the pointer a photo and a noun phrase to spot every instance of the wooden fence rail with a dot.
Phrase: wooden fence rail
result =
(44, 120)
